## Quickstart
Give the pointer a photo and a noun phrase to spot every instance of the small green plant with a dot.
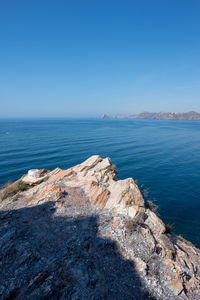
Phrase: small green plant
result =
(144, 191)
(169, 228)
(151, 205)
(17, 196)
(112, 167)
(22, 186)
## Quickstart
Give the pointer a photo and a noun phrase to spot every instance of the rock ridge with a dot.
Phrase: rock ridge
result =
(48, 227)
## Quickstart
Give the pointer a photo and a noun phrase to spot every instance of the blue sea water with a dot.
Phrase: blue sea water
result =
(164, 157)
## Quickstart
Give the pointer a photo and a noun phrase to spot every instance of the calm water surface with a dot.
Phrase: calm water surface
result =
(164, 156)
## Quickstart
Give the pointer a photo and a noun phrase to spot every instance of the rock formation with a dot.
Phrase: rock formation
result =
(81, 234)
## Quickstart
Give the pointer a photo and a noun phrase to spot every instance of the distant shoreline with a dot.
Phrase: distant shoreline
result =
(188, 116)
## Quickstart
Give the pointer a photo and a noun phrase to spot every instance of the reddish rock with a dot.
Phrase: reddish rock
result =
(116, 222)
(163, 261)
(60, 175)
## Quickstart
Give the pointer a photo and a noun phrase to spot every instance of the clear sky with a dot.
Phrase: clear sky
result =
(85, 58)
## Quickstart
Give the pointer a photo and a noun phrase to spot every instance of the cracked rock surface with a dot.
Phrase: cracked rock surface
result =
(81, 234)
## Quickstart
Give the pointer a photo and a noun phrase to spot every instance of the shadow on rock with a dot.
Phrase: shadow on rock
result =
(45, 256)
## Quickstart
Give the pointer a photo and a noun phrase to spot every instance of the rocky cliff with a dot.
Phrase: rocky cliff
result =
(81, 234)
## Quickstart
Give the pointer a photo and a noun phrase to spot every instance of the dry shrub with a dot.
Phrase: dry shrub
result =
(169, 228)
(13, 189)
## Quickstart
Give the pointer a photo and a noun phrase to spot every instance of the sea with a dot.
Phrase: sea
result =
(162, 155)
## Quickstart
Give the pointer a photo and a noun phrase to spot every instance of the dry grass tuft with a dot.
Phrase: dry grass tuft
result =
(13, 189)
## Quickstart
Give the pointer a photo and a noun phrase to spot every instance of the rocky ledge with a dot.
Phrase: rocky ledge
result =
(81, 234)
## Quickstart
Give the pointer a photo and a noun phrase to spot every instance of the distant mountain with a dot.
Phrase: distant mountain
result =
(192, 115)
(105, 116)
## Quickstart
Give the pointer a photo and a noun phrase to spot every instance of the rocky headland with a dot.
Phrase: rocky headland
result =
(82, 234)
(188, 116)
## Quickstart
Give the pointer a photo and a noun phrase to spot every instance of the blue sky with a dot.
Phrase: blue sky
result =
(85, 58)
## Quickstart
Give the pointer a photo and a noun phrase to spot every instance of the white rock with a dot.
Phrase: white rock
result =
(34, 173)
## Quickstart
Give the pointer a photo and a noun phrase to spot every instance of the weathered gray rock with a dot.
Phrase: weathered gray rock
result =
(81, 234)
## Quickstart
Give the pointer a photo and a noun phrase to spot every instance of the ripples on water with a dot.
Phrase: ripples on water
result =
(162, 155)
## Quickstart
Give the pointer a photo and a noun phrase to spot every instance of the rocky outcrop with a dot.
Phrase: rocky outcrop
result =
(81, 234)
